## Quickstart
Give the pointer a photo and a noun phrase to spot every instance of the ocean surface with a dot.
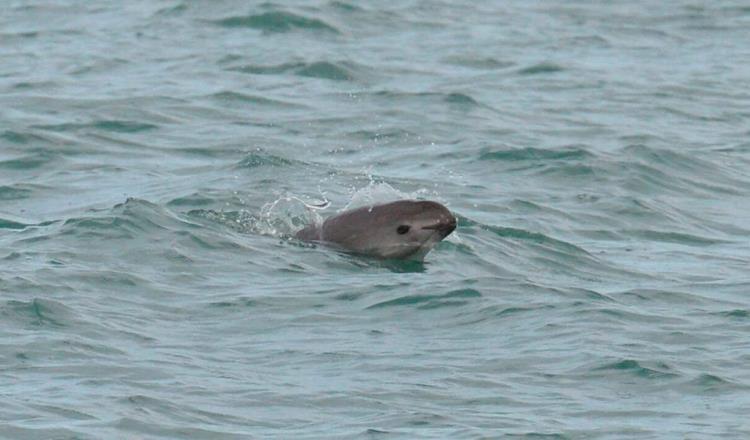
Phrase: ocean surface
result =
(156, 157)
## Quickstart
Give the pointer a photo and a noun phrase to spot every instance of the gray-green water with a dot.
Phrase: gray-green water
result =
(152, 154)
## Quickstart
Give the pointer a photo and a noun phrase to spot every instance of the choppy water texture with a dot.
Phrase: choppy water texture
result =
(154, 156)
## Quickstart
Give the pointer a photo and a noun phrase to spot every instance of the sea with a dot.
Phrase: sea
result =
(157, 157)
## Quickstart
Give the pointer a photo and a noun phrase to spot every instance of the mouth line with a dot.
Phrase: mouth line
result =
(444, 227)
(440, 226)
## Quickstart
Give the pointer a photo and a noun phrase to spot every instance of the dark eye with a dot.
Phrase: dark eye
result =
(403, 229)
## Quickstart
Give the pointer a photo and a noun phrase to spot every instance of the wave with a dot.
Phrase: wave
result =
(261, 158)
(334, 71)
(541, 69)
(235, 98)
(537, 154)
(450, 299)
(37, 159)
(117, 126)
(278, 22)
(638, 369)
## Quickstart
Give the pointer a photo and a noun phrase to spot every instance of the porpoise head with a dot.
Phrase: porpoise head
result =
(405, 229)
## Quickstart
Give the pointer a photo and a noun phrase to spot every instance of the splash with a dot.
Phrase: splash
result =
(377, 192)
(288, 214)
